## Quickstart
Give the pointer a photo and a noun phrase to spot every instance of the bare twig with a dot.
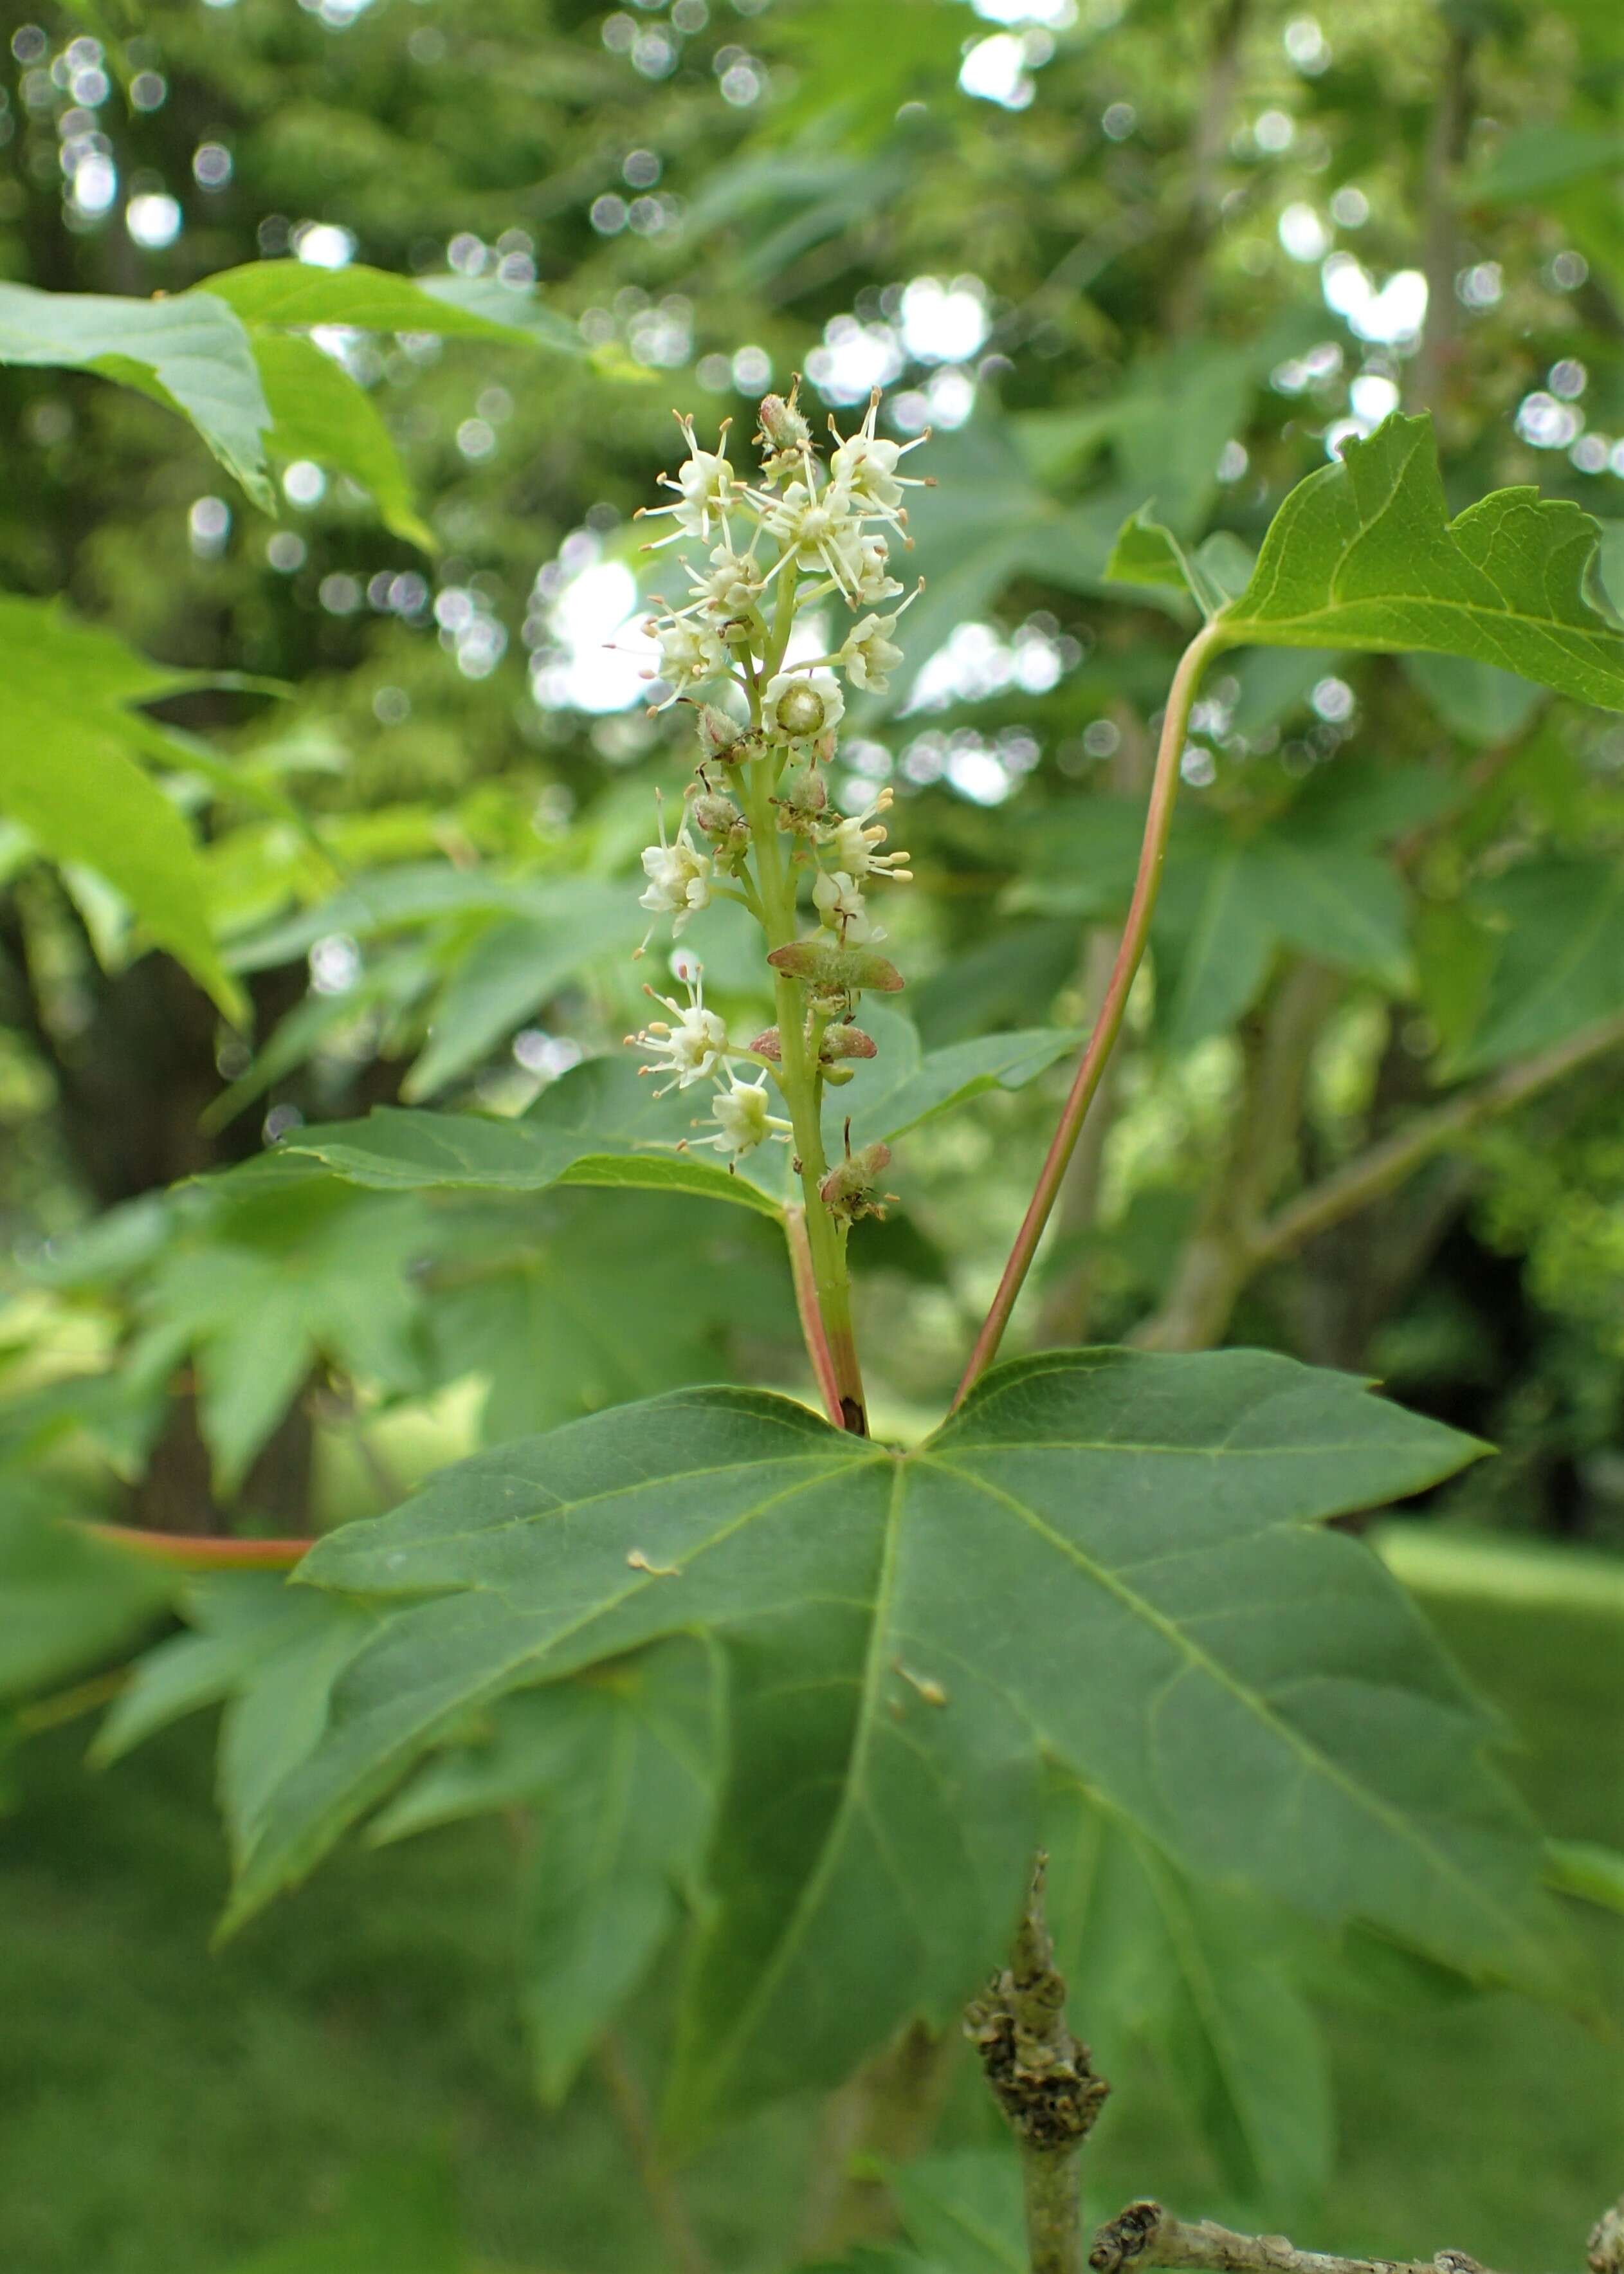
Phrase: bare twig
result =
(1234, 1243)
(1063, 1317)
(1145, 2235)
(1040, 2077)
(1208, 141)
(1386, 1165)
(687, 2253)
(883, 2115)
(1218, 1259)
(1445, 146)
(200, 1553)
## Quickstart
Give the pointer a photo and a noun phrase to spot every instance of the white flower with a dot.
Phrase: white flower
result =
(693, 1049)
(867, 466)
(865, 573)
(868, 656)
(678, 877)
(838, 900)
(732, 585)
(809, 528)
(855, 838)
(706, 488)
(741, 1117)
(688, 656)
(798, 704)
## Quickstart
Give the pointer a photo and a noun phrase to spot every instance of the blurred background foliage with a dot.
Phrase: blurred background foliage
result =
(1112, 253)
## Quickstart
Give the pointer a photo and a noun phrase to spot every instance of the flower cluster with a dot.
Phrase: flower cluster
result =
(759, 824)
(692, 1046)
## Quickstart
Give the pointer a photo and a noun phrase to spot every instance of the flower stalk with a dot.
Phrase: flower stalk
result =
(760, 799)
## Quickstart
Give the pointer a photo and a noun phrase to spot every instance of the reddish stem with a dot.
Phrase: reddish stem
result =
(194, 1552)
(1153, 851)
(811, 1317)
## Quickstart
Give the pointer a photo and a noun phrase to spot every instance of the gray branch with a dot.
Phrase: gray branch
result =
(1145, 2234)
(1386, 1165)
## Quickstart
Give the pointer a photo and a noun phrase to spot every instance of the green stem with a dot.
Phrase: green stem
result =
(1158, 820)
(797, 1074)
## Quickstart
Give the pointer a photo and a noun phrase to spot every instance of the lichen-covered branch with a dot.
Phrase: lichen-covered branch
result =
(1042, 2078)
(1146, 2235)
(1603, 2252)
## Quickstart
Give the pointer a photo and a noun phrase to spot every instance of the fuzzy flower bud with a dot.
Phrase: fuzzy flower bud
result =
(850, 1189)
(720, 737)
(845, 1042)
(716, 814)
(784, 425)
(1605, 2251)
(802, 800)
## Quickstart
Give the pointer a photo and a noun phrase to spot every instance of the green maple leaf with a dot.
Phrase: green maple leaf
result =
(68, 1598)
(552, 1301)
(1363, 555)
(601, 1126)
(190, 352)
(1202, 1975)
(72, 691)
(268, 1654)
(277, 1267)
(620, 1773)
(1561, 962)
(1109, 1558)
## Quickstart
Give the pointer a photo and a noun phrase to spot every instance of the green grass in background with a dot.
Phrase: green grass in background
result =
(165, 2111)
